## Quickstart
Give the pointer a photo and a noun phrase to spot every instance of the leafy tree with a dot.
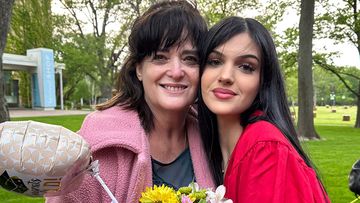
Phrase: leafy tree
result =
(214, 11)
(326, 82)
(31, 27)
(305, 116)
(79, 63)
(269, 13)
(87, 28)
(341, 23)
(291, 89)
(83, 91)
(343, 73)
(5, 16)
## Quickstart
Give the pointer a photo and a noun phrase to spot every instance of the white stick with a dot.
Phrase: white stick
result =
(106, 188)
(95, 171)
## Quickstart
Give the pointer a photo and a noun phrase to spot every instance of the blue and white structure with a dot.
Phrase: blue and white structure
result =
(40, 63)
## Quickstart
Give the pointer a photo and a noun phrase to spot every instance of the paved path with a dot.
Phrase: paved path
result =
(34, 113)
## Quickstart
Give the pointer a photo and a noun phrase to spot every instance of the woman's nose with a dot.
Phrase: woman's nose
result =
(176, 70)
(226, 76)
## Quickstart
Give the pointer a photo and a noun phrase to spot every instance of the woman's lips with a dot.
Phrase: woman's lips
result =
(222, 93)
(174, 88)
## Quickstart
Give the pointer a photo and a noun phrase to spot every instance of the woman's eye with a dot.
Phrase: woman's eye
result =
(246, 68)
(159, 57)
(191, 60)
(213, 62)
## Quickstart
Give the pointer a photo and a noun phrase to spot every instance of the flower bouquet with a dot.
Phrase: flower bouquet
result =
(190, 194)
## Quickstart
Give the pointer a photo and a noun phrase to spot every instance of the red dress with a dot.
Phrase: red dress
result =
(265, 167)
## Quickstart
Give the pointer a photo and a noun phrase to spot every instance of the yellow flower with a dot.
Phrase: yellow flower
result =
(162, 194)
(192, 197)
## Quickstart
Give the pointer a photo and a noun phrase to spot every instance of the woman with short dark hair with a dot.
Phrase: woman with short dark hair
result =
(147, 134)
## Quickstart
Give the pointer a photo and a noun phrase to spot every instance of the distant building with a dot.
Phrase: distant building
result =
(40, 64)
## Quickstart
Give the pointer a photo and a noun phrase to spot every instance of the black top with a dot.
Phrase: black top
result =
(176, 174)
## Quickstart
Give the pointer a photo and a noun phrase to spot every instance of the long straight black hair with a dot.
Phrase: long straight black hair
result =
(271, 98)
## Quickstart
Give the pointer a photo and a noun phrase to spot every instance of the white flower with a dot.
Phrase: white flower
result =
(194, 186)
(217, 196)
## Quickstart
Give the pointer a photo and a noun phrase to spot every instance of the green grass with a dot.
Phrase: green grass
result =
(70, 122)
(333, 155)
(337, 150)
(324, 116)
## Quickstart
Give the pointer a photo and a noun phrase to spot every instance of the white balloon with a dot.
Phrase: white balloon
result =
(38, 159)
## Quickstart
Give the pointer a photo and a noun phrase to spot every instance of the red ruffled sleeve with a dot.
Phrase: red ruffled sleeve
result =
(270, 170)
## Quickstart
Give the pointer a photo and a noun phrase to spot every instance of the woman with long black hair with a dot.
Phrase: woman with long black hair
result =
(245, 120)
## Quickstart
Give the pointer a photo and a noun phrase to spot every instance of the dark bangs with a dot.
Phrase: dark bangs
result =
(168, 28)
(162, 26)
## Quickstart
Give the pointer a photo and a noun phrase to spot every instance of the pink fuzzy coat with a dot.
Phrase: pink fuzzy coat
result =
(120, 144)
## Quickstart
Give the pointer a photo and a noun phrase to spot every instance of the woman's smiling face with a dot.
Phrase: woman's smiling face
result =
(231, 79)
(170, 77)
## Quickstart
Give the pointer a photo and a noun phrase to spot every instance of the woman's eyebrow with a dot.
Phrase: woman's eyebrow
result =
(218, 53)
(250, 56)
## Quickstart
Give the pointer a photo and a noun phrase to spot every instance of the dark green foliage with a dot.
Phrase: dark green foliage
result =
(31, 27)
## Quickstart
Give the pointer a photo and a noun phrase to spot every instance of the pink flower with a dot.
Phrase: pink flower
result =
(185, 199)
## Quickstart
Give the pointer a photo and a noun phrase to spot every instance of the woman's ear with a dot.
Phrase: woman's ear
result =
(138, 72)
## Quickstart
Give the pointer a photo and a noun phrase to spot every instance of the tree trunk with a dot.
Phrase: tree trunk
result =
(4, 111)
(105, 89)
(5, 16)
(357, 122)
(306, 127)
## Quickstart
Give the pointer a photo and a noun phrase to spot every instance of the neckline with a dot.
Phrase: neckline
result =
(186, 147)
(177, 158)
(230, 159)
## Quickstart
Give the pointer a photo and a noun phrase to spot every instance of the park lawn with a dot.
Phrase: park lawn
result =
(337, 150)
(333, 155)
(72, 122)
(324, 116)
